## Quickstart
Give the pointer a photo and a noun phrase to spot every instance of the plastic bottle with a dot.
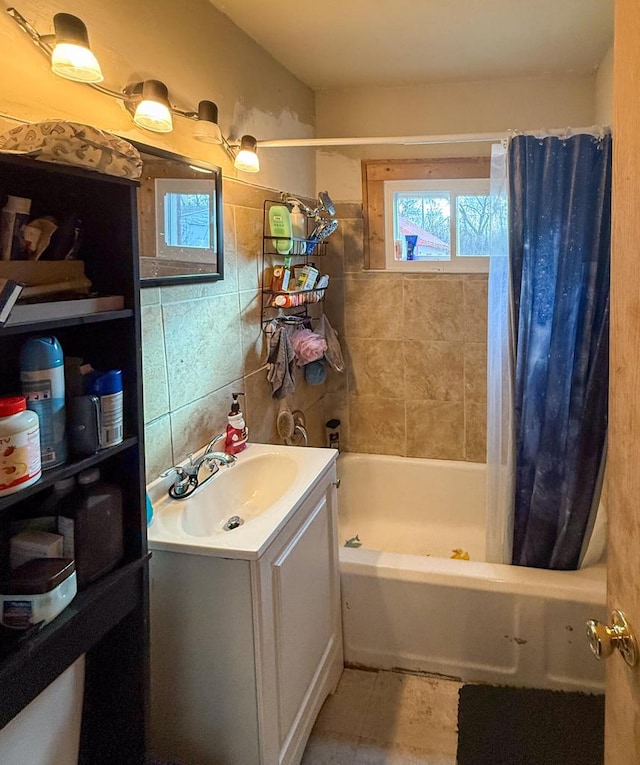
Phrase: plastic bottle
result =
(19, 445)
(14, 216)
(90, 520)
(237, 431)
(280, 227)
(107, 386)
(42, 377)
(299, 229)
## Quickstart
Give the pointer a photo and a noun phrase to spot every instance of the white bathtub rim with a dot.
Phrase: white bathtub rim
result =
(587, 585)
(417, 461)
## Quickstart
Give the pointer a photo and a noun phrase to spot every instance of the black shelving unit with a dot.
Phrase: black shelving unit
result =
(107, 621)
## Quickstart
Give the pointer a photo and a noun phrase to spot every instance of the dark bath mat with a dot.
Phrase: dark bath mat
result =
(528, 726)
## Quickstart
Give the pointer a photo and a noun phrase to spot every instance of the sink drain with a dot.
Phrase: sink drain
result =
(233, 523)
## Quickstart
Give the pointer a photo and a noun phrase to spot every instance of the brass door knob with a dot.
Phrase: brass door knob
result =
(604, 638)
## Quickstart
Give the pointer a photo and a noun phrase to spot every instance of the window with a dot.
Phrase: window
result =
(377, 174)
(185, 219)
(437, 225)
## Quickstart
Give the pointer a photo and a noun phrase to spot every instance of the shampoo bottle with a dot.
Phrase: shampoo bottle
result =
(42, 377)
(237, 431)
(280, 227)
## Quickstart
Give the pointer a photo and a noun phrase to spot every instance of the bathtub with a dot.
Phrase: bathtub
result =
(408, 605)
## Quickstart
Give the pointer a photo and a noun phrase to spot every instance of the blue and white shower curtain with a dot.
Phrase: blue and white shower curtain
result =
(559, 230)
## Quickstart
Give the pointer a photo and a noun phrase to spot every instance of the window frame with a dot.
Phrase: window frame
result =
(376, 171)
(454, 263)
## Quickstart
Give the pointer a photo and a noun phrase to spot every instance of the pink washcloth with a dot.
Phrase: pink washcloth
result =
(307, 345)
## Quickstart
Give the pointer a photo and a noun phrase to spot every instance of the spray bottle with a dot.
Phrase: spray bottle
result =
(237, 431)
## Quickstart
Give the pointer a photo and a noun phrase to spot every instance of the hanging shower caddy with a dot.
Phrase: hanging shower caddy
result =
(294, 303)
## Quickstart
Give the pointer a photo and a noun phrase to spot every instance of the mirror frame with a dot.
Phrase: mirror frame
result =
(216, 172)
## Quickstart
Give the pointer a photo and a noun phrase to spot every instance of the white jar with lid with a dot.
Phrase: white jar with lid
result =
(19, 445)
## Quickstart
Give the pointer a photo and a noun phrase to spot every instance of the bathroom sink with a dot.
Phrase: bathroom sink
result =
(247, 489)
(239, 510)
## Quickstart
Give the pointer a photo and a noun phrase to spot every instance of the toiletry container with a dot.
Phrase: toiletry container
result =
(42, 378)
(299, 228)
(333, 433)
(280, 227)
(19, 445)
(13, 218)
(90, 520)
(237, 431)
(107, 386)
(36, 592)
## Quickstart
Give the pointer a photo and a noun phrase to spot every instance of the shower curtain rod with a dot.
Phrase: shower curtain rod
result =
(415, 140)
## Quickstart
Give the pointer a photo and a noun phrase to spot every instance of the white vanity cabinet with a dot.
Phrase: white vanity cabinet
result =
(245, 651)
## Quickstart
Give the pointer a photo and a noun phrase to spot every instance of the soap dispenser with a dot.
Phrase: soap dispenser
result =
(237, 431)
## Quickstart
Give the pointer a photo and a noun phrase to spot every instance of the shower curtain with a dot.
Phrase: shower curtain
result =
(559, 251)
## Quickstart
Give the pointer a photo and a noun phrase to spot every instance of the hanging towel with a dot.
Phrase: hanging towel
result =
(281, 364)
(333, 354)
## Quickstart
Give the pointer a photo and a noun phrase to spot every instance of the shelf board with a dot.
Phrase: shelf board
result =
(49, 477)
(90, 318)
(28, 667)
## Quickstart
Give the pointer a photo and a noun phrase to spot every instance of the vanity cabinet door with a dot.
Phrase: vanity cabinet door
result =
(302, 658)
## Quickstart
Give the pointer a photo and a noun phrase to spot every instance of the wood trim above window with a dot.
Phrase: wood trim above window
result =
(376, 171)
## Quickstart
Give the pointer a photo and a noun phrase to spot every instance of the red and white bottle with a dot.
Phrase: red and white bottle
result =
(237, 431)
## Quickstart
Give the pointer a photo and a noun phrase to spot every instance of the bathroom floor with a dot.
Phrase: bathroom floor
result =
(386, 718)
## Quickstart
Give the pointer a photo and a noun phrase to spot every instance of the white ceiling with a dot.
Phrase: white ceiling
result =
(349, 43)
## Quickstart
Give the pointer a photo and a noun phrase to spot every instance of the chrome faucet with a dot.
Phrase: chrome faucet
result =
(187, 478)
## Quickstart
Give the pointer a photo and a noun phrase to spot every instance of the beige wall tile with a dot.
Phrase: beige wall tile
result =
(334, 306)
(433, 308)
(333, 262)
(157, 447)
(373, 306)
(248, 226)
(375, 368)
(203, 346)
(149, 296)
(154, 364)
(336, 407)
(475, 432)
(261, 409)
(238, 193)
(230, 249)
(194, 425)
(435, 430)
(475, 372)
(353, 242)
(376, 425)
(434, 370)
(475, 309)
(254, 339)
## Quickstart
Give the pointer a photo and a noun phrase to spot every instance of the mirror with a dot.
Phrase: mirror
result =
(180, 228)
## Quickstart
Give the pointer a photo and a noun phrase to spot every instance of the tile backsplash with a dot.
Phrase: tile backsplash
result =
(203, 341)
(414, 346)
(416, 352)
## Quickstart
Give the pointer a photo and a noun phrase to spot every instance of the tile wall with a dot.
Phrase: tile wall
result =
(414, 345)
(416, 354)
(204, 341)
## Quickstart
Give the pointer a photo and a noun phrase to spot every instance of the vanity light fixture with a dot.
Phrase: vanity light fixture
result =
(247, 158)
(72, 57)
(207, 129)
(148, 101)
